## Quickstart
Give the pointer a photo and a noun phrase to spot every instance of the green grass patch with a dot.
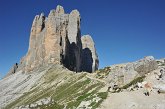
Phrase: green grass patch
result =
(102, 73)
(19, 101)
(163, 64)
(102, 95)
(75, 89)
(95, 104)
(73, 104)
(82, 97)
(133, 82)
(68, 90)
(85, 96)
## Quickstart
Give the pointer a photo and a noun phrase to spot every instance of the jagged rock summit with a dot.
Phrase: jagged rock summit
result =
(56, 39)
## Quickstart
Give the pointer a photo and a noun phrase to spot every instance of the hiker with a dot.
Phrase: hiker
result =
(161, 73)
(147, 88)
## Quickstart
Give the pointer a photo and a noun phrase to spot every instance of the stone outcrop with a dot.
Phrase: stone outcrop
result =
(37, 104)
(145, 65)
(123, 74)
(56, 39)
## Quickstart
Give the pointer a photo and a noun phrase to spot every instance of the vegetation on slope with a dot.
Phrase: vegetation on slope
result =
(102, 73)
(133, 82)
(66, 88)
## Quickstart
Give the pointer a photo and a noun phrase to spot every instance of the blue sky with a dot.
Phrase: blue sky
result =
(123, 30)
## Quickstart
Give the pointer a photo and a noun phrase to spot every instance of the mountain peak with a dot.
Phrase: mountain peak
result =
(57, 40)
(60, 9)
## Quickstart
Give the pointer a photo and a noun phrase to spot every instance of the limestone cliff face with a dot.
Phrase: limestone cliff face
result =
(123, 74)
(56, 39)
(90, 59)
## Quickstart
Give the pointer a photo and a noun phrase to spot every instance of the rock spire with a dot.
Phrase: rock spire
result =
(56, 39)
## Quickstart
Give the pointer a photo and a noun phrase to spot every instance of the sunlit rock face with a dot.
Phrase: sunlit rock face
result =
(123, 74)
(56, 39)
(90, 61)
(145, 65)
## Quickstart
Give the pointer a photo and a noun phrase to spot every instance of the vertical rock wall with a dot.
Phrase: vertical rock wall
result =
(56, 39)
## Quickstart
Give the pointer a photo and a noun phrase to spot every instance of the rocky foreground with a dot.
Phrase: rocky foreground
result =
(50, 88)
(58, 88)
(129, 83)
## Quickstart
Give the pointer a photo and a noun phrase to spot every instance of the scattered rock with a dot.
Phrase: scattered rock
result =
(44, 101)
(34, 105)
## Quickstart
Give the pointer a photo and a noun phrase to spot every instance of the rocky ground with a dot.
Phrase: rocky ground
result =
(58, 88)
(53, 88)
(134, 100)
(132, 94)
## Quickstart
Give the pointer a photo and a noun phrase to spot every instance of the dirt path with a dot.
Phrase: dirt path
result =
(134, 100)
(93, 78)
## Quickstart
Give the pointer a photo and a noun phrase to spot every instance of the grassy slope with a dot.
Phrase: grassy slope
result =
(65, 87)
